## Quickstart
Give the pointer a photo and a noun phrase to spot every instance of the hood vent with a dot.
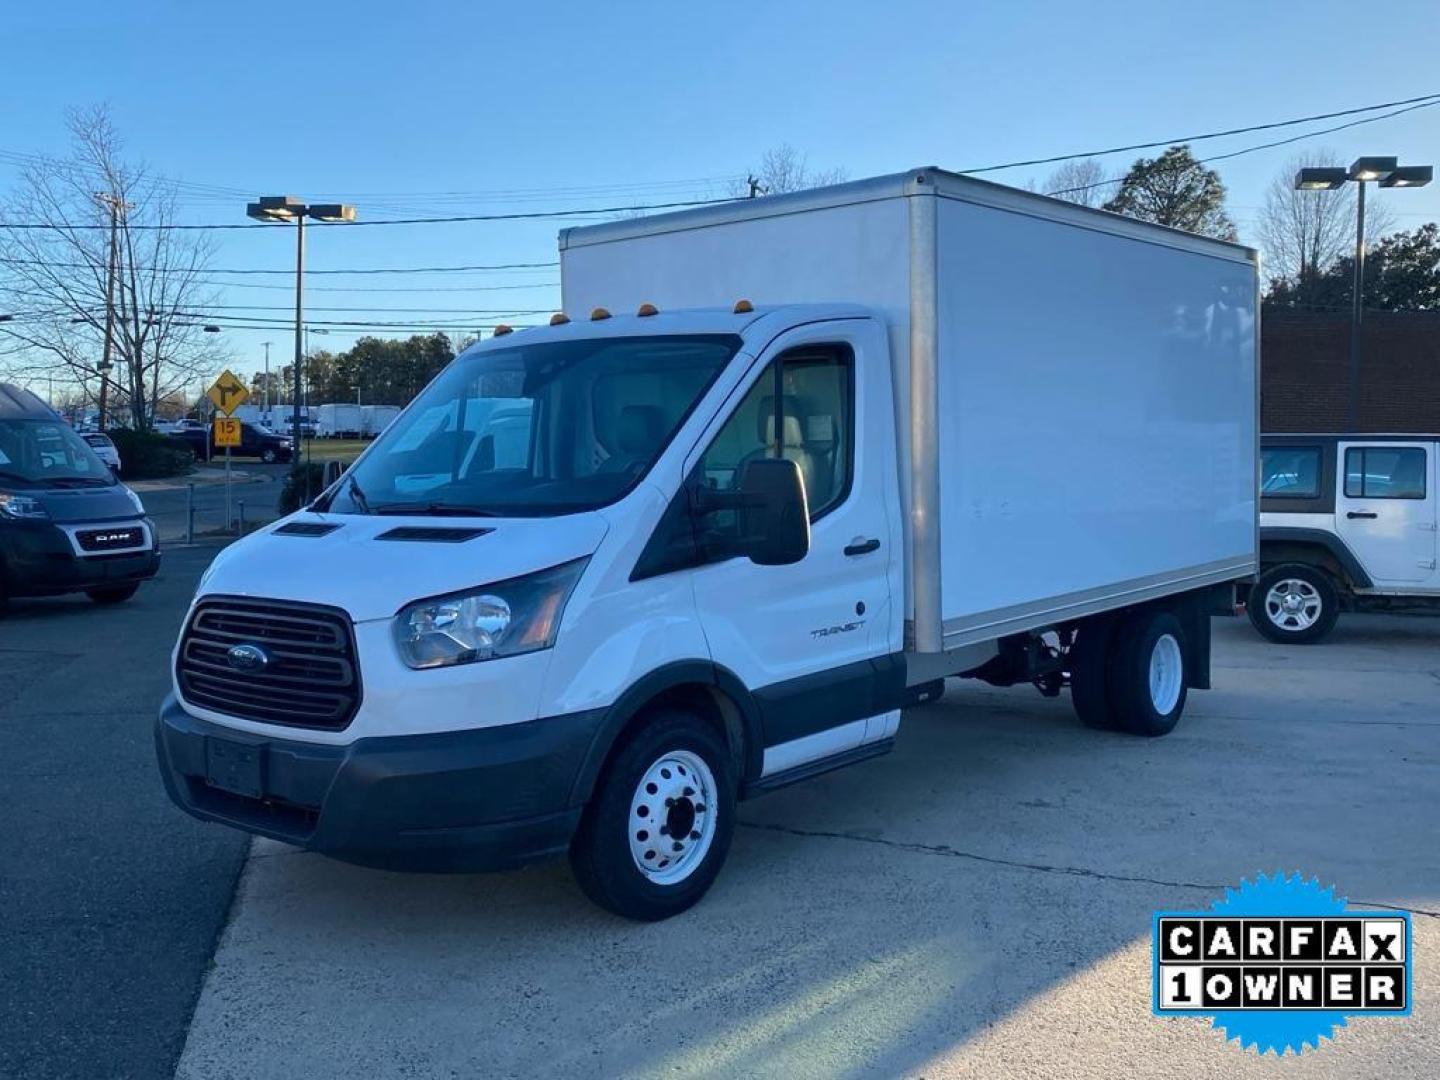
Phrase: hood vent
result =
(307, 528)
(434, 534)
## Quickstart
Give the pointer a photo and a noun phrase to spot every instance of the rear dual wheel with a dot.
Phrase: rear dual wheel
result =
(1128, 673)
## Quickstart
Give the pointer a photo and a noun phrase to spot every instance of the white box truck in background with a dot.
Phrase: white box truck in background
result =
(376, 418)
(339, 421)
(961, 430)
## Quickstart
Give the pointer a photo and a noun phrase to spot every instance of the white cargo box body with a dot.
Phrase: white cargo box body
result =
(1082, 432)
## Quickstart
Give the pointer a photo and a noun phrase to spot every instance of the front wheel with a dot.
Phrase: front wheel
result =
(657, 831)
(269, 457)
(1293, 604)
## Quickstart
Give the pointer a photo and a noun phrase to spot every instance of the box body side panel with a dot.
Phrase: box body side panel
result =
(1098, 429)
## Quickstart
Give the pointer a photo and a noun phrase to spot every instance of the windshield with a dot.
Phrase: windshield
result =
(536, 430)
(44, 452)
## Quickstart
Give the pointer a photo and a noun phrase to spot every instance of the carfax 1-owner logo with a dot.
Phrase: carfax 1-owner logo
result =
(1281, 963)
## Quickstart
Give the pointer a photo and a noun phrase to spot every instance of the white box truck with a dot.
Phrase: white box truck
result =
(339, 421)
(376, 418)
(829, 449)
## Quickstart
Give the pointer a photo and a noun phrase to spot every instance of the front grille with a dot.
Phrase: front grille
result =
(110, 539)
(309, 678)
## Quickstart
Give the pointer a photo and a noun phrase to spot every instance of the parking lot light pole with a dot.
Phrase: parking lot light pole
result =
(1388, 173)
(283, 208)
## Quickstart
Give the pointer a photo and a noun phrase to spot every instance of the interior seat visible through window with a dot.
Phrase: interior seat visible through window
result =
(638, 433)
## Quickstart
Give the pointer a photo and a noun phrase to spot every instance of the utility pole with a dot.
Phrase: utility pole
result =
(296, 442)
(116, 206)
(267, 381)
(1357, 312)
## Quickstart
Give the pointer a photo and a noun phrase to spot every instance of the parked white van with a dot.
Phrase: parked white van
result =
(604, 578)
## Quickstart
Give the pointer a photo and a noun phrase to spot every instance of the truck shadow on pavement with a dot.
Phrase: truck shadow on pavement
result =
(877, 921)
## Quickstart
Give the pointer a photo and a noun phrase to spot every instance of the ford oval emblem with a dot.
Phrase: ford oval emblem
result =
(247, 657)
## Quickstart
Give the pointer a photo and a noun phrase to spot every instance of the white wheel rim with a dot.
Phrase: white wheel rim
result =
(1167, 671)
(676, 795)
(1293, 604)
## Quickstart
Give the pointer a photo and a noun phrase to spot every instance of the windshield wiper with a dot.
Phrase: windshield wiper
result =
(7, 474)
(433, 509)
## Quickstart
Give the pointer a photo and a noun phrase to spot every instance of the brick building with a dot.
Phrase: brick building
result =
(1305, 371)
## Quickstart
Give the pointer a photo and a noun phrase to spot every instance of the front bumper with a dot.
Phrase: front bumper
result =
(484, 799)
(38, 559)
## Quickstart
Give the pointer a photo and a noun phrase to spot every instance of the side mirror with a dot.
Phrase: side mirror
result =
(333, 470)
(774, 515)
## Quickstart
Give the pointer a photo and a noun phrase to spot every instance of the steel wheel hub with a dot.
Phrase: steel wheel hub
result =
(672, 817)
(1167, 674)
(1293, 604)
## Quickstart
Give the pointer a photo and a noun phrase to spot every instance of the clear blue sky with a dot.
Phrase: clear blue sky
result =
(388, 104)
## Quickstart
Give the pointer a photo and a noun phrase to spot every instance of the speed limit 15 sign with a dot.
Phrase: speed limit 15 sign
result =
(227, 431)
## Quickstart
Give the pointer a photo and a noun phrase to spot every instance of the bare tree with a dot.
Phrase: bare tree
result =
(1081, 181)
(1303, 233)
(57, 275)
(784, 169)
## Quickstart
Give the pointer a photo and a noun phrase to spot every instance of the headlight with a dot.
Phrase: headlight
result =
(135, 500)
(21, 506)
(506, 619)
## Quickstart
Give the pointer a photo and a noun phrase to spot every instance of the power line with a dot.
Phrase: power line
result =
(290, 271)
(1429, 98)
(386, 288)
(1262, 146)
(530, 215)
(201, 190)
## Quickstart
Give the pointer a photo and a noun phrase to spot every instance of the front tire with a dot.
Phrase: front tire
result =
(116, 594)
(657, 831)
(1147, 678)
(1294, 604)
(269, 457)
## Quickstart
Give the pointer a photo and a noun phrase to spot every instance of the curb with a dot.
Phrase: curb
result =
(202, 478)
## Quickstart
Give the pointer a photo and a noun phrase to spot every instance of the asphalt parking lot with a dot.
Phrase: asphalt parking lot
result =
(977, 903)
(110, 901)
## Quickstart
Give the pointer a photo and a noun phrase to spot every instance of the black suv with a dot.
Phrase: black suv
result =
(255, 441)
(66, 523)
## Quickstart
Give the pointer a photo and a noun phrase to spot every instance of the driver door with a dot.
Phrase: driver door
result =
(811, 640)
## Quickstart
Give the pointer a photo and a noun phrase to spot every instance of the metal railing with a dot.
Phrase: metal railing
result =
(201, 511)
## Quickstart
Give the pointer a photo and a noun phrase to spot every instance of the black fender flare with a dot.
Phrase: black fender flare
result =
(646, 689)
(1321, 538)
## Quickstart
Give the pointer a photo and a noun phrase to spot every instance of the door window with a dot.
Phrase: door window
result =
(801, 409)
(1385, 472)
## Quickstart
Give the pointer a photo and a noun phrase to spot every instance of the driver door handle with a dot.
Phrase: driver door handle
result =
(862, 547)
(1362, 514)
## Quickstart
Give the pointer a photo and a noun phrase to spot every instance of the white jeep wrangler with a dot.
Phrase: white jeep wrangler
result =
(1347, 523)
